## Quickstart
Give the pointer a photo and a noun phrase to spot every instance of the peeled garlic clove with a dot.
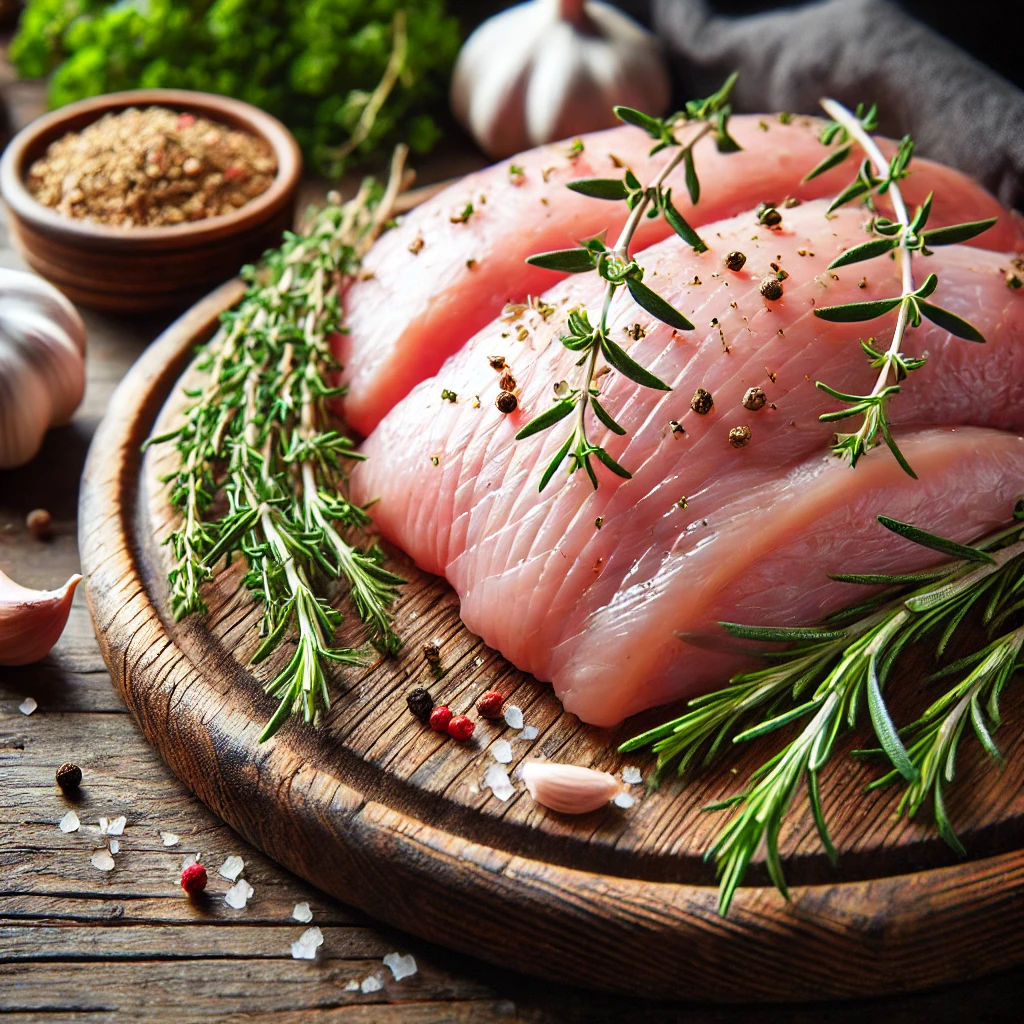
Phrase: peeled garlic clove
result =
(31, 621)
(568, 788)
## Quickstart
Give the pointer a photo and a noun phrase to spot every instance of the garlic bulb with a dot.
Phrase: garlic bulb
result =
(42, 363)
(31, 621)
(568, 787)
(548, 69)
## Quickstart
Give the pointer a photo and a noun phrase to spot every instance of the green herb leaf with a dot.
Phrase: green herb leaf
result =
(679, 225)
(950, 322)
(834, 158)
(957, 233)
(602, 414)
(547, 419)
(657, 306)
(865, 251)
(599, 188)
(619, 360)
(854, 312)
(652, 125)
(692, 184)
(569, 261)
(936, 543)
(555, 463)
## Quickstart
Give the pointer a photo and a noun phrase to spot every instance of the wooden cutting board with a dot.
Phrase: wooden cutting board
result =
(383, 813)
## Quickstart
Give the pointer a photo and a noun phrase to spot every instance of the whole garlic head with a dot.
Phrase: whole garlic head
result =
(548, 69)
(31, 621)
(42, 363)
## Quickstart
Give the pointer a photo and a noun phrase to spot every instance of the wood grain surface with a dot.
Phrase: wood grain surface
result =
(377, 809)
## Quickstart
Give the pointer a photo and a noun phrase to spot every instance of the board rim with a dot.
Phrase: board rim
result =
(878, 940)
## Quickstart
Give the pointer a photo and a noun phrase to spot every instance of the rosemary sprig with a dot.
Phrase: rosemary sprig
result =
(619, 269)
(903, 237)
(259, 437)
(827, 674)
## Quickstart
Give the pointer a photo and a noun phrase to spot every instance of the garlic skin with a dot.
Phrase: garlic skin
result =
(568, 788)
(31, 621)
(549, 69)
(42, 363)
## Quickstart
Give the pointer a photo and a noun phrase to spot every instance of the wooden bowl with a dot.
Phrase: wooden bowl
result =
(131, 269)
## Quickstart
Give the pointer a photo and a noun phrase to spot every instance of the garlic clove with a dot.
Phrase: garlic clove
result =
(568, 788)
(31, 621)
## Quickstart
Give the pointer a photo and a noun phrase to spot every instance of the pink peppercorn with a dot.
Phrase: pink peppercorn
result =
(440, 717)
(193, 879)
(490, 705)
(461, 727)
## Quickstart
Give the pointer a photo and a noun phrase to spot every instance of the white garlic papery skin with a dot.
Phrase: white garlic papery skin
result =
(550, 69)
(31, 621)
(568, 788)
(42, 363)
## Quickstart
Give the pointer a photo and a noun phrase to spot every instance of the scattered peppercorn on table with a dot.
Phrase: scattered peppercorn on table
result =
(98, 843)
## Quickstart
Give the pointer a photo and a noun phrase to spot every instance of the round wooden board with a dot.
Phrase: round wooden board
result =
(383, 813)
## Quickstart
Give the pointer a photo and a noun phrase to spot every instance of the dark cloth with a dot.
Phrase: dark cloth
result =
(959, 111)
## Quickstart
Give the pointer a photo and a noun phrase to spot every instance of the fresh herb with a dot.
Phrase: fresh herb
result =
(319, 65)
(903, 237)
(827, 674)
(262, 467)
(619, 269)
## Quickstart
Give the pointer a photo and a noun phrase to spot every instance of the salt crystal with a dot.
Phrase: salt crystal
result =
(170, 839)
(69, 823)
(101, 859)
(306, 945)
(374, 983)
(631, 776)
(478, 662)
(302, 913)
(530, 732)
(116, 827)
(27, 706)
(239, 894)
(192, 858)
(496, 779)
(352, 986)
(115, 846)
(514, 716)
(401, 966)
(624, 800)
(104, 825)
(502, 751)
(231, 868)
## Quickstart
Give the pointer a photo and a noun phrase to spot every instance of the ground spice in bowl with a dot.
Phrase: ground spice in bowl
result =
(151, 167)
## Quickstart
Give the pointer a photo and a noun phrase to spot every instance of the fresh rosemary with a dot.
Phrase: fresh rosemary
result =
(903, 237)
(618, 268)
(825, 676)
(262, 466)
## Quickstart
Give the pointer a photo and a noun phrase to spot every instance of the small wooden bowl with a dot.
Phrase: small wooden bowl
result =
(146, 268)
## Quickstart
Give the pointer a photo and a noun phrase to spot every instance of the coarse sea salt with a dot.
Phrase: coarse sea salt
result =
(101, 859)
(306, 945)
(497, 781)
(501, 750)
(115, 827)
(374, 983)
(530, 732)
(192, 858)
(231, 868)
(302, 913)
(115, 846)
(352, 986)
(514, 716)
(69, 823)
(401, 966)
(631, 776)
(624, 800)
(27, 706)
(169, 839)
(239, 894)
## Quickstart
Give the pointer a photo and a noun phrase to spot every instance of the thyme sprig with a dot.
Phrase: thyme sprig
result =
(259, 438)
(903, 237)
(617, 267)
(827, 674)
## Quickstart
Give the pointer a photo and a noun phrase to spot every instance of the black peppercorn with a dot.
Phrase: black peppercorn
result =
(754, 399)
(735, 260)
(507, 382)
(702, 402)
(420, 703)
(497, 362)
(768, 215)
(506, 402)
(676, 427)
(432, 652)
(69, 777)
(771, 287)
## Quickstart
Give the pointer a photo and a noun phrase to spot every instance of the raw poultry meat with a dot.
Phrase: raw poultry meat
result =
(594, 590)
(433, 282)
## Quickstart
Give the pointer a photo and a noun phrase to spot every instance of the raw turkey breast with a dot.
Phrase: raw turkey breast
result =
(433, 282)
(595, 590)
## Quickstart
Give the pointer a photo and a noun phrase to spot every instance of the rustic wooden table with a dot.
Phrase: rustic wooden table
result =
(79, 944)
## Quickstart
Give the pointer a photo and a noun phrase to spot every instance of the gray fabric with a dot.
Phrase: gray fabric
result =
(959, 111)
